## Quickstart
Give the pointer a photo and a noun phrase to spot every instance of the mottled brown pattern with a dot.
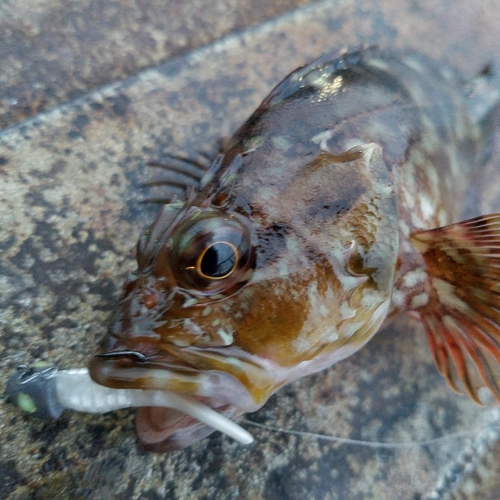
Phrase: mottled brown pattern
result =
(330, 289)
(57, 309)
(299, 161)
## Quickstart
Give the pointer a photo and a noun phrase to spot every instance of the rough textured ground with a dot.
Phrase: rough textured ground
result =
(69, 221)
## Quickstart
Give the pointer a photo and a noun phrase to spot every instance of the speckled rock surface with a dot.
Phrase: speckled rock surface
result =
(70, 218)
(56, 50)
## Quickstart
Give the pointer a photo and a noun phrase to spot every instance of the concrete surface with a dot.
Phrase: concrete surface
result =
(70, 219)
(55, 50)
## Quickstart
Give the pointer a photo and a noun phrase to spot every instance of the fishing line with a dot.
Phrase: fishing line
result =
(370, 444)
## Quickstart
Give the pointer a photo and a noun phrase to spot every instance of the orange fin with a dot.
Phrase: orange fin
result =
(462, 314)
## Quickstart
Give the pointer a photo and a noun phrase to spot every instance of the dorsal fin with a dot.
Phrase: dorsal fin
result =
(180, 174)
(462, 313)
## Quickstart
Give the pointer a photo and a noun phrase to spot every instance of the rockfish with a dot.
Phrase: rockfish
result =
(332, 209)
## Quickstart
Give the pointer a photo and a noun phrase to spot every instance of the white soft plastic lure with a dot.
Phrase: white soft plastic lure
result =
(48, 392)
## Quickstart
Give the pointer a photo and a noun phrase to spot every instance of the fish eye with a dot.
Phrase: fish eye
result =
(212, 252)
(218, 260)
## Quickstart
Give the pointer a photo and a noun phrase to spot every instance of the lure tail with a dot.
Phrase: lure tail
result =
(461, 315)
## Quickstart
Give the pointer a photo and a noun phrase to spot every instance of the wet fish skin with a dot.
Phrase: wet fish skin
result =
(314, 200)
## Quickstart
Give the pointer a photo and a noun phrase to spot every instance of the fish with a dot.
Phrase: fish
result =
(332, 210)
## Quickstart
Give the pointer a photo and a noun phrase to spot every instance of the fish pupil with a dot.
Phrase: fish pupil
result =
(218, 260)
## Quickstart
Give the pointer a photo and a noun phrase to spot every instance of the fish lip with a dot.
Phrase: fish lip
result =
(140, 357)
(214, 388)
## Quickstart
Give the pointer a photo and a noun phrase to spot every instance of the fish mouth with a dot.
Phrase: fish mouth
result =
(227, 386)
(162, 429)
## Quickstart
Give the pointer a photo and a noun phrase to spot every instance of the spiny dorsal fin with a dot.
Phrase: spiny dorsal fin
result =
(180, 174)
(462, 315)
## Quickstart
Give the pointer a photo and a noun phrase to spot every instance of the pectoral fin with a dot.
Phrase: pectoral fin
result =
(462, 315)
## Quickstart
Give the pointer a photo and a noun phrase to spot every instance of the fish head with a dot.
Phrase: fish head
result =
(237, 294)
(279, 265)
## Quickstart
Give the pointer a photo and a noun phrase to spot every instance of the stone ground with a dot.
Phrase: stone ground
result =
(90, 91)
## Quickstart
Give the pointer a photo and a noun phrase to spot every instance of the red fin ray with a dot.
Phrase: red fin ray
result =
(462, 315)
(465, 354)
